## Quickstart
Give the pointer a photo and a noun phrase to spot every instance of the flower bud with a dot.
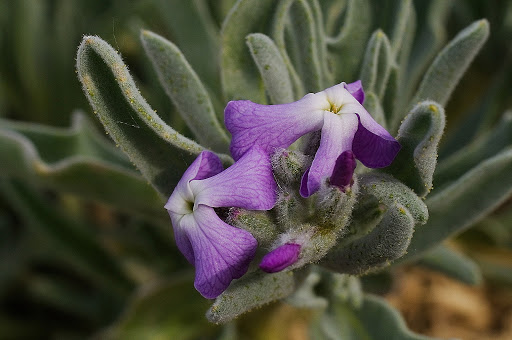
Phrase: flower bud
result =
(334, 205)
(258, 223)
(280, 258)
(288, 166)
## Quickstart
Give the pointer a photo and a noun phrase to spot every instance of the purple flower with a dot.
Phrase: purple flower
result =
(337, 112)
(219, 252)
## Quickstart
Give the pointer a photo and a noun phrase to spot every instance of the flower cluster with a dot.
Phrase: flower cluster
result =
(338, 129)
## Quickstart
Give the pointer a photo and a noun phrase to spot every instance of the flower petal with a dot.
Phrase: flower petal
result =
(280, 258)
(343, 170)
(179, 225)
(207, 164)
(272, 126)
(248, 184)
(373, 145)
(356, 90)
(337, 135)
(222, 252)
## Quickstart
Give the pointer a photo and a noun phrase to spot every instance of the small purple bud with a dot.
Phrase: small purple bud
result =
(343, 170)
(280, 258)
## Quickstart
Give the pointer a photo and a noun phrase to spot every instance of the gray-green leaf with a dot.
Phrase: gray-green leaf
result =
(272, 68)
(375, 320)
(445, 72)
(464, 202)
(453, 264)
(186, 91)
(240, 77)
(377, 63)
(252, 291)
(384, 244)
(162, 310)
(56, 158)
(158, 151)
(419, 136)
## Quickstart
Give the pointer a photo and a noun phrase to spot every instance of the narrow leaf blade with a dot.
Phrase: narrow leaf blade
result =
(445, 72)
(186, 91)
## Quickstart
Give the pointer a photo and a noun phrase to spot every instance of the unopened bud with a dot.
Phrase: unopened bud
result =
(280, 258)
(288, 166)
(291, 209)
(258, 223)
(334, 205)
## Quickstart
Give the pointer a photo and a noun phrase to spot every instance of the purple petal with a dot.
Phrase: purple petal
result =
(221, 252)
(248, 184)
(272, 126)
(179, 223)
(280, 258)
(356, 90)
(343, 170)
(337, 135)
(207, 164)
(373, 145)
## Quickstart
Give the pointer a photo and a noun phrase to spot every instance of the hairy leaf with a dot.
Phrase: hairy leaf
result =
(272, 68)
(186, 91)
(56, 158)
(384, 244)
(376, 319)
(377, 63)
(452, 264)
(158, 151)
(464, 202)
(451, 63)
(252, 291)
(419, 136)
(240, 77)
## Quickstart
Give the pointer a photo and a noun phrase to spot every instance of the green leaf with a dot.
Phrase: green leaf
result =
(75, 242)
(308, 63)
(376, 319)
(419, 136)
(158, 151)
(377, 63)
(56, 157)
(252, 291)
(29, 51)
(464, 202)
(272, 68)
(451, 63)
(321, 42)
(186, 91)
(346, 49)
(372, 104)
(240, 77)
(452, 264)
(388, 191)
(482, 116)
(384, 244)
(280, 27)
(427, 42)
(494, 141)
(390, 98)
(404, 11)
(162, 310)
(194, 30)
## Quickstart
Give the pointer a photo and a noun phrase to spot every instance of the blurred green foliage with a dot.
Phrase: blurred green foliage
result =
(85, 244)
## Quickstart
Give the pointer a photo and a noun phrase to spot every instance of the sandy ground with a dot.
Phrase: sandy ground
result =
(435, 305)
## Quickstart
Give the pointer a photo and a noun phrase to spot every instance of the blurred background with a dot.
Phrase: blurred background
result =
(86, 247)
